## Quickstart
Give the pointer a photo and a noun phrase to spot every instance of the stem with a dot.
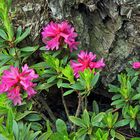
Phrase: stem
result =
(115, 110)
(79, 106)
(127, 136)
(45, 105)
(82, 105)
(64, 103)
(17, 57)
(85, 107)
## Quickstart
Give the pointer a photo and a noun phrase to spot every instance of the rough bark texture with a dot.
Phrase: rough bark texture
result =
(110, 28)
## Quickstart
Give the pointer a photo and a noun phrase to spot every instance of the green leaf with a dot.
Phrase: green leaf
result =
(56, 53)
(23, 36)
(9, 3)
(52, 62)
(3, 110)
(120, 105)
(2, 137)
(122, 123)
(96, 119)
(44, 86)
(117, 102)
(19, 31)
(129, 86)
(115, 117)
(133, 81)
(65, 59)
(51, 79)
(33, 117)
(95, 79)
(119, 136)
(61, 127)
(66, 138)
(68, 73)
(40, 65)
(65, 85)
(59, 83)
(34, 135)
(77, 121)
(9, 122)
(1, 120)
(47, 134)
(95, 107)
(4, 61)
(115, 97)
(81, 134)
(77, 86)
(68, 92)
(85, 118)
(15, 129)
(136, 138)
(29, 49)
(136, 97)
(4, 56)
(3, 68)
(56, 136)
(36, 126)
(42, 48)
(22, 115)
(3, 34)
(50, 72)
(113, 88)
(2, 43)
(112, 133)
(132, 124)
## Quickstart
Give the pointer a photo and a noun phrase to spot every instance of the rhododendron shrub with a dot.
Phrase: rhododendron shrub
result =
(58, 69)
(14, 82)
(56, 35)
(86, 60)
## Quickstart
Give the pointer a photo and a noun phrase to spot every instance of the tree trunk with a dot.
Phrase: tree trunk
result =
(109, 28)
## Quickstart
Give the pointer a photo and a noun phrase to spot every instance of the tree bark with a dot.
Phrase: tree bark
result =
(109, 28)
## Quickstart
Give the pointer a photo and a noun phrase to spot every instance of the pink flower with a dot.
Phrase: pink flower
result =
(13, 82)
(55, 35)
(136, 65)
(86, 60)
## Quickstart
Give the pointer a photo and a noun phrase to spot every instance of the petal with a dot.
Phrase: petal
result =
(14, 95)
(100, 64)
(53, 44)
(31, 92)
(136, 65)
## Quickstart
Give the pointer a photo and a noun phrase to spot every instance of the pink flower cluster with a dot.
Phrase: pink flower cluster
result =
(55, 35)
(13, 82)
(136, 65)
(86, 60)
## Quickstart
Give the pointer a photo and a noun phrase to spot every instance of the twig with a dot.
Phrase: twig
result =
(126, 135)
(115, 110)
(79, 105)
(45, 105)
(78, 110)
(86, 102)
(64, 103)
